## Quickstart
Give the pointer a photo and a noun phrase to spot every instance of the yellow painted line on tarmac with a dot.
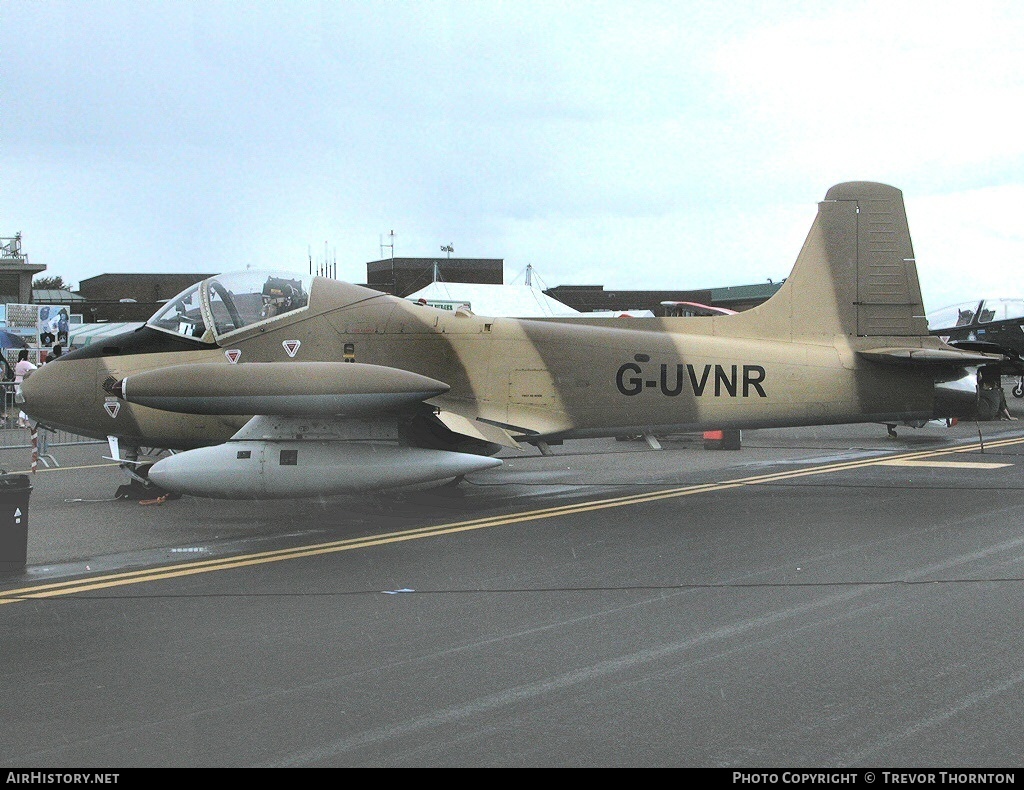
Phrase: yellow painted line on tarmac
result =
(61, 468)
(207, 566)
(942, 464)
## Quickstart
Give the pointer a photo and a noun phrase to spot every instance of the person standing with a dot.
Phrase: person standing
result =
(43, 433)
(21, 370)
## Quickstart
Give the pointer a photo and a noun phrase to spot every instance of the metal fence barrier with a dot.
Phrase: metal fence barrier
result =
(13, 435)
(44, 445)
(17, 434)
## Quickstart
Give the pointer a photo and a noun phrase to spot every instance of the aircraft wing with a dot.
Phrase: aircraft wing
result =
(318, 427)
(325, 389)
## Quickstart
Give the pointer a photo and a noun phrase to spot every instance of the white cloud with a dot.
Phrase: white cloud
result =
(883, 88)
(651, 144)
(968, 244)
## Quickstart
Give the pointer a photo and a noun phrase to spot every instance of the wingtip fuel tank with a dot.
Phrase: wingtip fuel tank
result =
(336, 388)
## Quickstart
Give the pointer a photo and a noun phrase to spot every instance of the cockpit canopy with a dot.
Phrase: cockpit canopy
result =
(978, 311)
(229, 302)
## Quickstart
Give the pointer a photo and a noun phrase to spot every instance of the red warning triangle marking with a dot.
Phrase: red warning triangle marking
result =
(291, 346)
(233, 355)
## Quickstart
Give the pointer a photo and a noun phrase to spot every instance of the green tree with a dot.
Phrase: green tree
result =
(53, 283)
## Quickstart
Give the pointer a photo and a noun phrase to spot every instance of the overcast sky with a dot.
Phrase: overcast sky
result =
(671, 145)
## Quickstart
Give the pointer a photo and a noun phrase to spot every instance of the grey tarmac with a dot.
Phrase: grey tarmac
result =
(821, 598)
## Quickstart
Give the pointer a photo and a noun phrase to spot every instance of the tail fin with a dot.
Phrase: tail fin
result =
(854, 276)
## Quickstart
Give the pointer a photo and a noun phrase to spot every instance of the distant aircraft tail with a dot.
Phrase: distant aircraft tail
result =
(855, 275)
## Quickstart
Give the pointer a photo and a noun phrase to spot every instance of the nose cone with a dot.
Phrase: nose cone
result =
(35, 389)
(54, 393)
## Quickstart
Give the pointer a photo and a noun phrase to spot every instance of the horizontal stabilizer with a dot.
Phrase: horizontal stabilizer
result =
(948, 357)
(281, 388)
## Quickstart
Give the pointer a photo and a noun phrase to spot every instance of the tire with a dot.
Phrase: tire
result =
(1018, 390)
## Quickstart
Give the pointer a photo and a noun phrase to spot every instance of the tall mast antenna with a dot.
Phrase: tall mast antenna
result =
(391, 245)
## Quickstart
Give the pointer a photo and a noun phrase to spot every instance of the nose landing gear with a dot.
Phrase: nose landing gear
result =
(140, 487)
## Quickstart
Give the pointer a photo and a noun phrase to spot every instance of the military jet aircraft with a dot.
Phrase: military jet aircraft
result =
(993, 325)
(274, 385)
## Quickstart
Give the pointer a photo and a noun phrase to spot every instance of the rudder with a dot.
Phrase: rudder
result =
(888, 299)
(855, 274)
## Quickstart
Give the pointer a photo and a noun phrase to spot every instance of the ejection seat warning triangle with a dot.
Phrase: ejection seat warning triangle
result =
(233, 355)
(17, 515)
(291, 346)
(112, 407)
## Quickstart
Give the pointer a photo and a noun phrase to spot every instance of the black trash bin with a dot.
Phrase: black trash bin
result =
(14, 494)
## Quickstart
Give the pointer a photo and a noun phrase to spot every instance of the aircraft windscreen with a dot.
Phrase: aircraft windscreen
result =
(182, 315)
(1001, 310)
(244, 298)
(953, 316)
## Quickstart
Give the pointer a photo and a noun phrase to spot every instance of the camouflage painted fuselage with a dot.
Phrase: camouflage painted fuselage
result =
(844, 340)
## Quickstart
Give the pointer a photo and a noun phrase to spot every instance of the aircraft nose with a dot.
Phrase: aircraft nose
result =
(40, 392)
(54, 391)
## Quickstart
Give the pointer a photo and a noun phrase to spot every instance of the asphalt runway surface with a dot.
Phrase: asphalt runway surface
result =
(823, 597)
